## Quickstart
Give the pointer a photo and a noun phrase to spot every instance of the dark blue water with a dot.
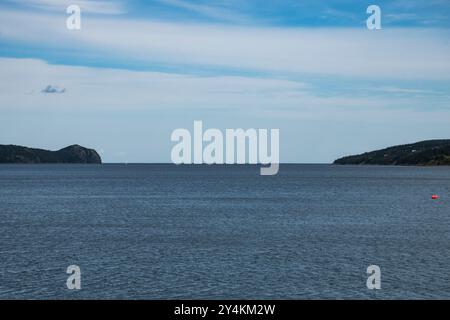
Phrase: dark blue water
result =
(185, 232)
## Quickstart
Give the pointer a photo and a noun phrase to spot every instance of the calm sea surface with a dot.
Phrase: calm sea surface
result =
(223, 232)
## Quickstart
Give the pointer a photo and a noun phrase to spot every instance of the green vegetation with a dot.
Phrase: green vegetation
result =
(71, 154)
(424, 153)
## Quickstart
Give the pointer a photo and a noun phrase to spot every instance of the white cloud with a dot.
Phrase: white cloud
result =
(403, 90)
(218, 13)
(113, 89)
(53, 89)
(134, 112)
(90, 6)
(92, 89)
(390, 53)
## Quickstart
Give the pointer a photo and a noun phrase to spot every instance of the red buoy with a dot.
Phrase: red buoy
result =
(434, 197)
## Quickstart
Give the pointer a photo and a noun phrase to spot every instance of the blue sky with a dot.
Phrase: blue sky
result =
(137, 70)
(305, 13)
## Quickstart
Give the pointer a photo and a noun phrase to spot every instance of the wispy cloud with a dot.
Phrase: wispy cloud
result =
(108, 89)
(113, 7)
(320, 86)
(111, 89)
(215, 12)
(147, 106)
(404, 90)
(396, 17)
(392, 53)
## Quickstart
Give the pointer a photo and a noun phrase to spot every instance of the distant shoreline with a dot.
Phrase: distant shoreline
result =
(13, 154)
(227, 165)
(430, 153)
(424, 153)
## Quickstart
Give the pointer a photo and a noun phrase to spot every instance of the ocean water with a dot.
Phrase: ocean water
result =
(223, 232)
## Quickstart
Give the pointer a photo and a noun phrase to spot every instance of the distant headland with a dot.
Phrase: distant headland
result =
(71, 154)
(424, 153)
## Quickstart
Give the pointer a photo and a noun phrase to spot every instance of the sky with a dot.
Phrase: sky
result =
(137, 70)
